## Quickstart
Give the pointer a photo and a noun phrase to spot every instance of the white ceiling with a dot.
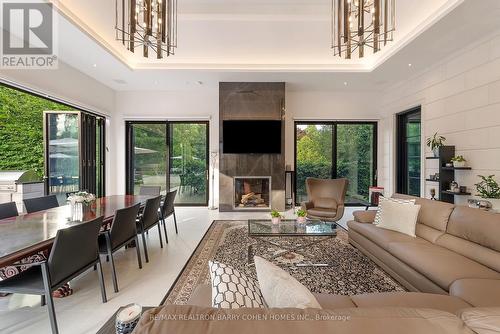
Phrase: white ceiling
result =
(272, 40)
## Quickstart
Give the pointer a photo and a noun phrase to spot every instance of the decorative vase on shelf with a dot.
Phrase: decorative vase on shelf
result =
(435, 151)
(458, 164)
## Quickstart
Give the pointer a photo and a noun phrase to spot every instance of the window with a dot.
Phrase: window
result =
(409, 152)
(172, 155)
(336, 150)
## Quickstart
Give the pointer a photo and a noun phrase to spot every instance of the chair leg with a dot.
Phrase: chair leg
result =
(165, 230)
(145, 246)
(113, 270)
(101, 281)
(159, 235)
(139, 260)
(48, 298)
(175, 223)
(42, 300)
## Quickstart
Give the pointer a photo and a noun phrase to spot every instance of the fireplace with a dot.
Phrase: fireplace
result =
(252, 192)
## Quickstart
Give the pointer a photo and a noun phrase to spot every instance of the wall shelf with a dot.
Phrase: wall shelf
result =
(429, 180)
(456, 168)
(429, 158)
(455, 194)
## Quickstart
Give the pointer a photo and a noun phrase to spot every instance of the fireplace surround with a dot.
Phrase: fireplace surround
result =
(252, 192)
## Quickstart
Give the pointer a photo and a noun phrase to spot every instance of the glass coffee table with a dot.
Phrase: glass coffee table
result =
(263, 229)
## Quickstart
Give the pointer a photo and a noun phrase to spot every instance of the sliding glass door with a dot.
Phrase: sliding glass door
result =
(74, 153)
(172, 155)
(336, 150)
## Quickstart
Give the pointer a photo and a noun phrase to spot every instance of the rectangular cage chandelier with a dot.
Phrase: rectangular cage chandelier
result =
(147, 24)
(361, 24)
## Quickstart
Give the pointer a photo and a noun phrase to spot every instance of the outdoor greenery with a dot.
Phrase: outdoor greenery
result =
(21, 129)
(354, 156)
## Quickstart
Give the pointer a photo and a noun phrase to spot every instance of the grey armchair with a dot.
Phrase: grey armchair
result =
(326, 198)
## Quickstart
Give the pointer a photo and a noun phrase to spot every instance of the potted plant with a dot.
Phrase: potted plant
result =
(301, 216)
(489, 189)
(458, 161)
(276, 216)
(434, 143)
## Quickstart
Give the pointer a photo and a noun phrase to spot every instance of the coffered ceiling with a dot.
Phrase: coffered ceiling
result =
(279, 35)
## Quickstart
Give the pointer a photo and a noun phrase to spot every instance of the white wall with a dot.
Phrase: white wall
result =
(202, 103)
(460, 98)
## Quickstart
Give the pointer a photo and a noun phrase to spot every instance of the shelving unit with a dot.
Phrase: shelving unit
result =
(447, 174)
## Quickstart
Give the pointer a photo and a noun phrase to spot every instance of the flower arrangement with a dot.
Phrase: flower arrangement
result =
(435, 142)
(458, 161)
(81, 197)
(276, 216)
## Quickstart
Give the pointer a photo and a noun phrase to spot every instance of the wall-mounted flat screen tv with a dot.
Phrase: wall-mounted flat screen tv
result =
(251, 137)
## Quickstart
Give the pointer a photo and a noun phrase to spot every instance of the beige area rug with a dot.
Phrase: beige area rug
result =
(350, 272)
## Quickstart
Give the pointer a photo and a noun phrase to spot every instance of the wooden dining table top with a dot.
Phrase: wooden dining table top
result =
(27, 234)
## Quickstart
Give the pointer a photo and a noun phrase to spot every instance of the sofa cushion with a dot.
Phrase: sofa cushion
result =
(367, 216)
(398, 217)
(332, 302)
(482, 320)
(410, 299)
(174, 319)
(477, 292)
(428, 233)
(382, 237)
(432, 213)
(478, 226)
(320, 212)
(439, 264)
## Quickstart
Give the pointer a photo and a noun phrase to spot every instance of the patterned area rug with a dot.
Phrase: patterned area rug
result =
(350, 272)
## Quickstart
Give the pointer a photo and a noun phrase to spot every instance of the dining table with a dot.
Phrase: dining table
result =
(30, 233)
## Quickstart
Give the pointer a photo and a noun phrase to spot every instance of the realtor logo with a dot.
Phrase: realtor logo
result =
(28, 35)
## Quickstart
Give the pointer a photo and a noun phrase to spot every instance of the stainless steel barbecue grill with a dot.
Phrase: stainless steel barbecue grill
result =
(15, 186)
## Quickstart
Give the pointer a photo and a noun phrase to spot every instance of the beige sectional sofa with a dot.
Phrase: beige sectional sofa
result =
(456, 251)
(452, 267)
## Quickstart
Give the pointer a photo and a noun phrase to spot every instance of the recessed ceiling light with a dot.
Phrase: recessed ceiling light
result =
(409, 65)
(156, 82)
(199, 83)
(345, 83)
(94, 65)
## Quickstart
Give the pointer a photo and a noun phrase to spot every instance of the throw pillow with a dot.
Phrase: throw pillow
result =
(232, 289)
(382, 199)
(280, 289)
(399, 217)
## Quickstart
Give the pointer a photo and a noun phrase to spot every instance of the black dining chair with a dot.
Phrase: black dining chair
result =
(74, 251)
(167, 209)
(150, 190)
(41, 203)
(148, 219)
(123, 231)
(8, 210)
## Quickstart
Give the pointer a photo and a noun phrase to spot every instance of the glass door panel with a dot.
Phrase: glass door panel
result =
(148, 158)
(314, 154)
(355, 159)
(62, 153)
(409, 153)
(188, 162)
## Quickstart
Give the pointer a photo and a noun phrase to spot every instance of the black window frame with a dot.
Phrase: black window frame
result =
(129, 179)
(334, 124)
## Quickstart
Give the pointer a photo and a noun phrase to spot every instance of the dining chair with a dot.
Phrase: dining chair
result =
(74, 251)
(41, 203)
(148, 219)
(167, 209)
(123, 231)
(8, 210)
(150, 190)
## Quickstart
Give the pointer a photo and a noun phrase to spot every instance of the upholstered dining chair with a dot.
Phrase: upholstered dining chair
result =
(73, 252)
(167, 209)
(8, 210)
(41, 203)
(326, 198)
(148, 219)
(123, 230)
(150, 190)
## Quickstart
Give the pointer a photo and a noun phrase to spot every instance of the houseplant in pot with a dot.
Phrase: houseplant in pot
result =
(276, 216)
(301, 216)
(489, 189)
(435, 142)
(458, 161)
